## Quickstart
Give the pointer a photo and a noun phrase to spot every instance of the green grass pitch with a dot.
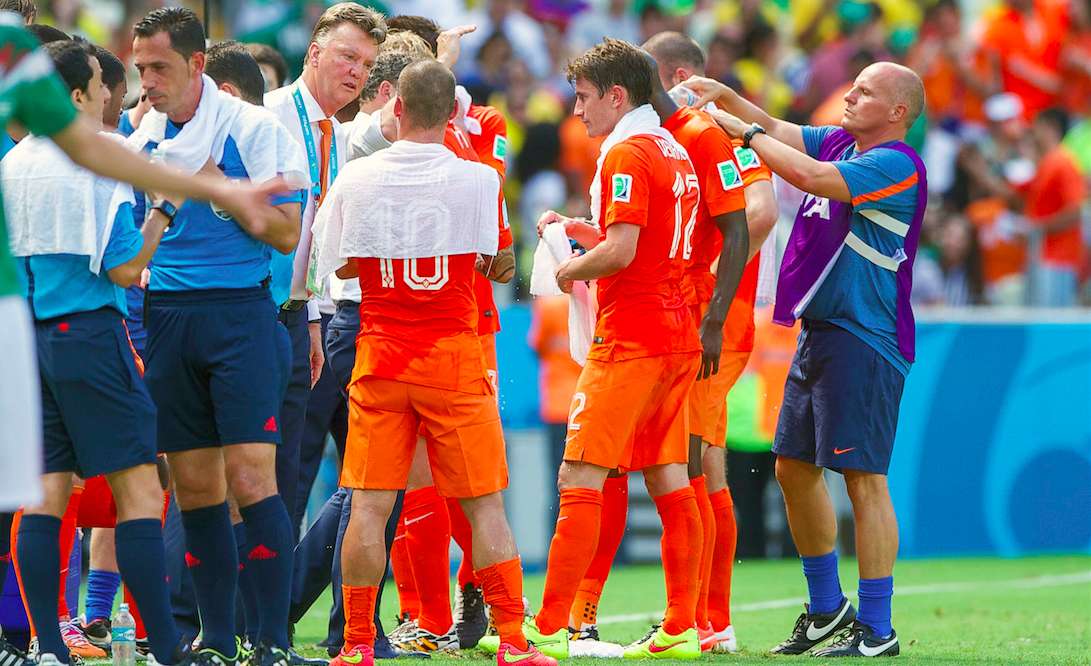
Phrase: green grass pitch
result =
(952, 611)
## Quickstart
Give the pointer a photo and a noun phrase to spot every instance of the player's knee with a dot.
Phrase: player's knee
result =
(251, 472)
(793, 473)
(137, 493)
(580, 475)
(865, 487)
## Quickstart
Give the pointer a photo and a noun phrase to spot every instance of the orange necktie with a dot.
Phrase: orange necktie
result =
(327, 137)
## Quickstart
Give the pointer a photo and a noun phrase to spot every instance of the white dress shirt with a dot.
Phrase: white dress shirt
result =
(282, 103)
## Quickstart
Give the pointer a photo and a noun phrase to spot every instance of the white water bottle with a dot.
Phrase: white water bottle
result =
(123, 637)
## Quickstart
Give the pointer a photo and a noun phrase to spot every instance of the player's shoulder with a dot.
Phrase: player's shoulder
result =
(492, 121)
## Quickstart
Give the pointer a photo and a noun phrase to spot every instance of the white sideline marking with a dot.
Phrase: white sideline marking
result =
(1036, 582)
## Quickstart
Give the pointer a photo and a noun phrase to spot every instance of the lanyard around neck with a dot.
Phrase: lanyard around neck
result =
(312, 151)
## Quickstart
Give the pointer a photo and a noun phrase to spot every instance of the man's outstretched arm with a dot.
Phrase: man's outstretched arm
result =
(249, 204)
(794, 165)
(712, 91)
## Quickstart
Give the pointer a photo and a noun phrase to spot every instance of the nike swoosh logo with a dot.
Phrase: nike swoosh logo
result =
(868, 651)
(656, 649)
(814, 632)
(838, 452)
(419, 518)
(510, 659)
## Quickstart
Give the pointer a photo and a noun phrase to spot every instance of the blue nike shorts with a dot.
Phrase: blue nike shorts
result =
(217, 367)
(97, 416)
(841, 402)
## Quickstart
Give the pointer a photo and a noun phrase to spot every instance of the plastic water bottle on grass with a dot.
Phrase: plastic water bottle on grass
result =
(123, 637)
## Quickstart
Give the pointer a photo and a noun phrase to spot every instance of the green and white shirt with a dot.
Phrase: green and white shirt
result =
(33, 95)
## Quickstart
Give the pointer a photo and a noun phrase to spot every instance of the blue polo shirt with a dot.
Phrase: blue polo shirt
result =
(858, 295)
(205, 248)
(61, 284)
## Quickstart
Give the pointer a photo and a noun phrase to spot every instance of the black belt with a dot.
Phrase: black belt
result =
(293, 306)
(347, 304)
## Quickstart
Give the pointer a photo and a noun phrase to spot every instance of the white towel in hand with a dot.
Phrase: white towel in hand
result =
(553, 248)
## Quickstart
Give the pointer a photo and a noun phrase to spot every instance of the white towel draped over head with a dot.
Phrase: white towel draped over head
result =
(410, 201)
(641, 120)
(57, 207)
(266, 147)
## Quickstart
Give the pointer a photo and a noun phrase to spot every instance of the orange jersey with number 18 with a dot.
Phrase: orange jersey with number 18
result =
(649, 182)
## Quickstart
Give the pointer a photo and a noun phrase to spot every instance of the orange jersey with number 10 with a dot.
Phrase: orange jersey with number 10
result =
(648, 182)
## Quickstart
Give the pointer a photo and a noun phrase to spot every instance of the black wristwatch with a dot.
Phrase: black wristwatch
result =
(749, 134)
(168, 210)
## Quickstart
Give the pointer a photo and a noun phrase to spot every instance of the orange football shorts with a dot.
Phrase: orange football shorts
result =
(708, 399)
(462, 431)
(632, 414)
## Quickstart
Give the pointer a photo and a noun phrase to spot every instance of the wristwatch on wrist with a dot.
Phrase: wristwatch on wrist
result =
(749, 134)
(168, 210)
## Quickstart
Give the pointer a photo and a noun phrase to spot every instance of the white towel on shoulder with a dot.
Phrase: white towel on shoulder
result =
(641, 120)
(553, 248)
(410, 201)
(265, 145)
(55, 206)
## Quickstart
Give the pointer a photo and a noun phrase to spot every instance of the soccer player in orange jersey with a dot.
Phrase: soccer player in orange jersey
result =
(419, 363)
(645, 354)
(729, 229)
(738, 211)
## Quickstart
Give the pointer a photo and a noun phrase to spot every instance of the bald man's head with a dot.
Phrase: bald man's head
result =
(885, 97)
(674, 51)
(427, 93)
(905, 87)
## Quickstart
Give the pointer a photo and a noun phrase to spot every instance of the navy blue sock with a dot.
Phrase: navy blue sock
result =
(101, 590)
(213, 562)
(248, 590)
(823, 583)
(142, 562)
(875, 594)
(40, 560)
(269, 538)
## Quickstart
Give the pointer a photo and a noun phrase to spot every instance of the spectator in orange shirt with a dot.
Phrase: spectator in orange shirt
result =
(1025, 38)
(1076, 60)
(1054, 202)
(557, 375)
(956, 75)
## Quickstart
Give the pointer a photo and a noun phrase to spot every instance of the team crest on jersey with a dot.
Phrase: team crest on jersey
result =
(220, 212)
(747, 158)
(623, 187)
(729, 175)
(500, 147)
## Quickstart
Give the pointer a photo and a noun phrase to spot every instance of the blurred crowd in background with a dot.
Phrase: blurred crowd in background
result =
(1006, 137)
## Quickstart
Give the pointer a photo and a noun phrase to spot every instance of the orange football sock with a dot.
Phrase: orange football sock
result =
(408, 601)
(570, 552)
(428, 538)
(463, 536)
(723, 559)
(708, 542)
(141, 632)
(502, 588)
(359, 615)
(681, 554)
(615, 509)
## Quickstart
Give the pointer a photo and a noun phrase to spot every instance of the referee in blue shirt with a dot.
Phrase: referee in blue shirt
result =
(217, 363)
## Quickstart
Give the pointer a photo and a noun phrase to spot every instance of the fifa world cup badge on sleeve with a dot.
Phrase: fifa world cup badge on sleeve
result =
(623, 187)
